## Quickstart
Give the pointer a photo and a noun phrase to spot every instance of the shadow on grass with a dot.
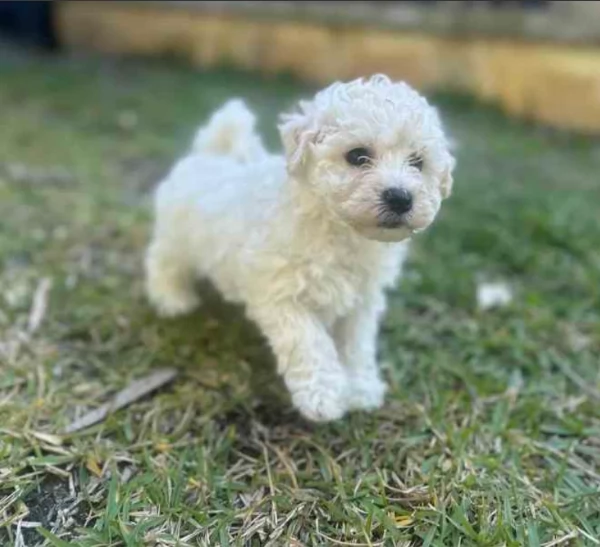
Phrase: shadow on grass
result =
(222, 330)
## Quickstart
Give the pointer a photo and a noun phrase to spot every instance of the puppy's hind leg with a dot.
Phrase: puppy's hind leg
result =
(169, 281)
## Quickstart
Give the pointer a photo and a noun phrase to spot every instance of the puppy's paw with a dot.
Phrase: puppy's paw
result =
(173, 303)
(366, 393)
(322, 402)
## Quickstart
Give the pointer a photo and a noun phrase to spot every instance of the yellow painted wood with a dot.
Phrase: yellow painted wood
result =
(558, 85)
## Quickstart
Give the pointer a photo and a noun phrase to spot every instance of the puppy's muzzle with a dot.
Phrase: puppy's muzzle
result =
(396, 202)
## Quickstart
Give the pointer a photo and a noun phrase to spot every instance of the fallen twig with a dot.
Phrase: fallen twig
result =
(571, 535)
(134, 391)
(39, 305)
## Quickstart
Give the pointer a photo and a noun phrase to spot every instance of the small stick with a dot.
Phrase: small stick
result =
(134, 391)
(570, 535)
(39, 305)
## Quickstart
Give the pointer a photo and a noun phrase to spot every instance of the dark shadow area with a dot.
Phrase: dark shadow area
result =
(236, 332)
(29, 23)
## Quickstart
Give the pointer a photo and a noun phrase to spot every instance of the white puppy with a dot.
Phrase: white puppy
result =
(310, 241)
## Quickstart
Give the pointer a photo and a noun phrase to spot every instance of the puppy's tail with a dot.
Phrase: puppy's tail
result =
(230, 132)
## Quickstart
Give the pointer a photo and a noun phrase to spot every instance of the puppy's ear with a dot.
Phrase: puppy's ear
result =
(447, 179)
(298, 131)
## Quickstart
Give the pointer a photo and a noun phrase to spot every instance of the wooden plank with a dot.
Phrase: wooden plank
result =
(563, 21)
(555, 84)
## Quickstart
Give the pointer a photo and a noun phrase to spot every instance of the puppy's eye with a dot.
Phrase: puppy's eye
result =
(359, 156)
(416, 160)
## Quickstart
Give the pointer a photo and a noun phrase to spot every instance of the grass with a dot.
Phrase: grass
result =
(491, 432)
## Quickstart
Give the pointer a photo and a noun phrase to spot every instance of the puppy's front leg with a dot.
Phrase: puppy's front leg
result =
(356, 340)
(307, 359)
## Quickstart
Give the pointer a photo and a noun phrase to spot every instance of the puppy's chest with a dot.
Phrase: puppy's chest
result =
(335, 281)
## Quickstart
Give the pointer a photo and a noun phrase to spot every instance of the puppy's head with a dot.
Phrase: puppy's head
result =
(375, 152)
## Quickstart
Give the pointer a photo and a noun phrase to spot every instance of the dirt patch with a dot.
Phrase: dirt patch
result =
(56, 505)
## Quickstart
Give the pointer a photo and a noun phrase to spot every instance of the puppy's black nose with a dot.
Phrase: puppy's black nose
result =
(398, 200)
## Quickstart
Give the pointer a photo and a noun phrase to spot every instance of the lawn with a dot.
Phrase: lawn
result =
(491, 431)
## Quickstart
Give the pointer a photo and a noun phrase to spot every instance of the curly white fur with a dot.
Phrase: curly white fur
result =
(304, 240)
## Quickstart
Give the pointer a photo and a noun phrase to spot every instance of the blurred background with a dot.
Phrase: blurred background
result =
(537, 59)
